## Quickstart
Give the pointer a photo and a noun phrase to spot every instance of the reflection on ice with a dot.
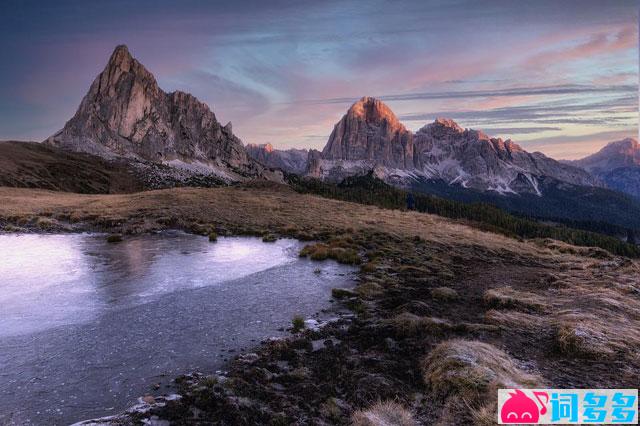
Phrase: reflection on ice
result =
(86, 326)
(49, 280)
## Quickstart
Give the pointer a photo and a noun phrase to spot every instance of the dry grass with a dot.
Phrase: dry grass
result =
(369, 290)
(468, 369)
(253, 208)
(591, 310)
(515, 320)
(601, 333)
(466, 375)
(566, 248)
(322, 251)
(387, 413)
(444, 294)
(407, 325)
(508, 298)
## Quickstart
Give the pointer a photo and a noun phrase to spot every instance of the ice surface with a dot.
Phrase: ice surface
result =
(86, 327)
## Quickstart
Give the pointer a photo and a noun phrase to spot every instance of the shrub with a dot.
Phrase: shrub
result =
(269, 238)
(297, 323)
(213, 237)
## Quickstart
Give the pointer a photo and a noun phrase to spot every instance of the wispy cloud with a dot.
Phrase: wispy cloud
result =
(601, 43)
(548, 112)
(566, 89)
(522, 130)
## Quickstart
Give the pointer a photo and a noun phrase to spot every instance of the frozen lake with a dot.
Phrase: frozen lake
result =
(86, 326)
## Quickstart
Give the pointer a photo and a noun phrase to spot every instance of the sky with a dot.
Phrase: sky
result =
(560, 77)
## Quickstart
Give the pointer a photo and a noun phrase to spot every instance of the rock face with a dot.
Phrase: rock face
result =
(472, 159)
(126, 114)
(289, 160)
(370, 131)
(617, 165)
(370, 137)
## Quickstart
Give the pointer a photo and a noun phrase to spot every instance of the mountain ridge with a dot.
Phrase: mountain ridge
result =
(617, 164)
(370, 137)
(126, 114)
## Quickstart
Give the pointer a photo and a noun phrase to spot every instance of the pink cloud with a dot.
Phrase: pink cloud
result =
(601, 43)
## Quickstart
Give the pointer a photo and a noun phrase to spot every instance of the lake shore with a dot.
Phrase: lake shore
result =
(433, 296)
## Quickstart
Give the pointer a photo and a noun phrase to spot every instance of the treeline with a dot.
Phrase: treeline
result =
(599, 227)
(373, 191)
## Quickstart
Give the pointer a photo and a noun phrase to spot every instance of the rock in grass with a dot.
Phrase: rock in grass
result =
(114, 238)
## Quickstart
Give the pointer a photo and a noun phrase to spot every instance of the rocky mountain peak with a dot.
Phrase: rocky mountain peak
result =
(126, 114)
(441, 126)
(447, 123)
(369, 137)
(374, 111)
(120, 57)
(371, 132)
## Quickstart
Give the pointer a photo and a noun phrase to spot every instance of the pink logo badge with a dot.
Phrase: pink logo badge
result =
(519, 408)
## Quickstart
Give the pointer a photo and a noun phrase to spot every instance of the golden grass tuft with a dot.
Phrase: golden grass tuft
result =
(470, 369)
(387, 413)
(508, 298)
(322, 251)
(407, 324)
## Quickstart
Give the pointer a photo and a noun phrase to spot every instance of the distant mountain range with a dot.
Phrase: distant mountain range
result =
(369, 136)
(446, 160)
(290, 160)
(126, 126)
(617, 165)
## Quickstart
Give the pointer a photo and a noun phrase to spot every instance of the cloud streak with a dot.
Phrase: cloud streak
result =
(566, 89)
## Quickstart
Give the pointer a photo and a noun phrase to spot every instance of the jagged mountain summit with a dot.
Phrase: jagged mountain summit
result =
(370, 137)
(471, 159)
(126, 114)
(370, 131)
(290, 160)
(617, 165)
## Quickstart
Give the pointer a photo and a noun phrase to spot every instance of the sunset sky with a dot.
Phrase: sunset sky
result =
(559, 77)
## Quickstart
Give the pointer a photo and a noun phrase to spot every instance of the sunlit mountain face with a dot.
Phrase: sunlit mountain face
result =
(558, 77)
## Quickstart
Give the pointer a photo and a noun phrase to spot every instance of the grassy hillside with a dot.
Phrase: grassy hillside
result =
(370, 190)
(34, 165)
